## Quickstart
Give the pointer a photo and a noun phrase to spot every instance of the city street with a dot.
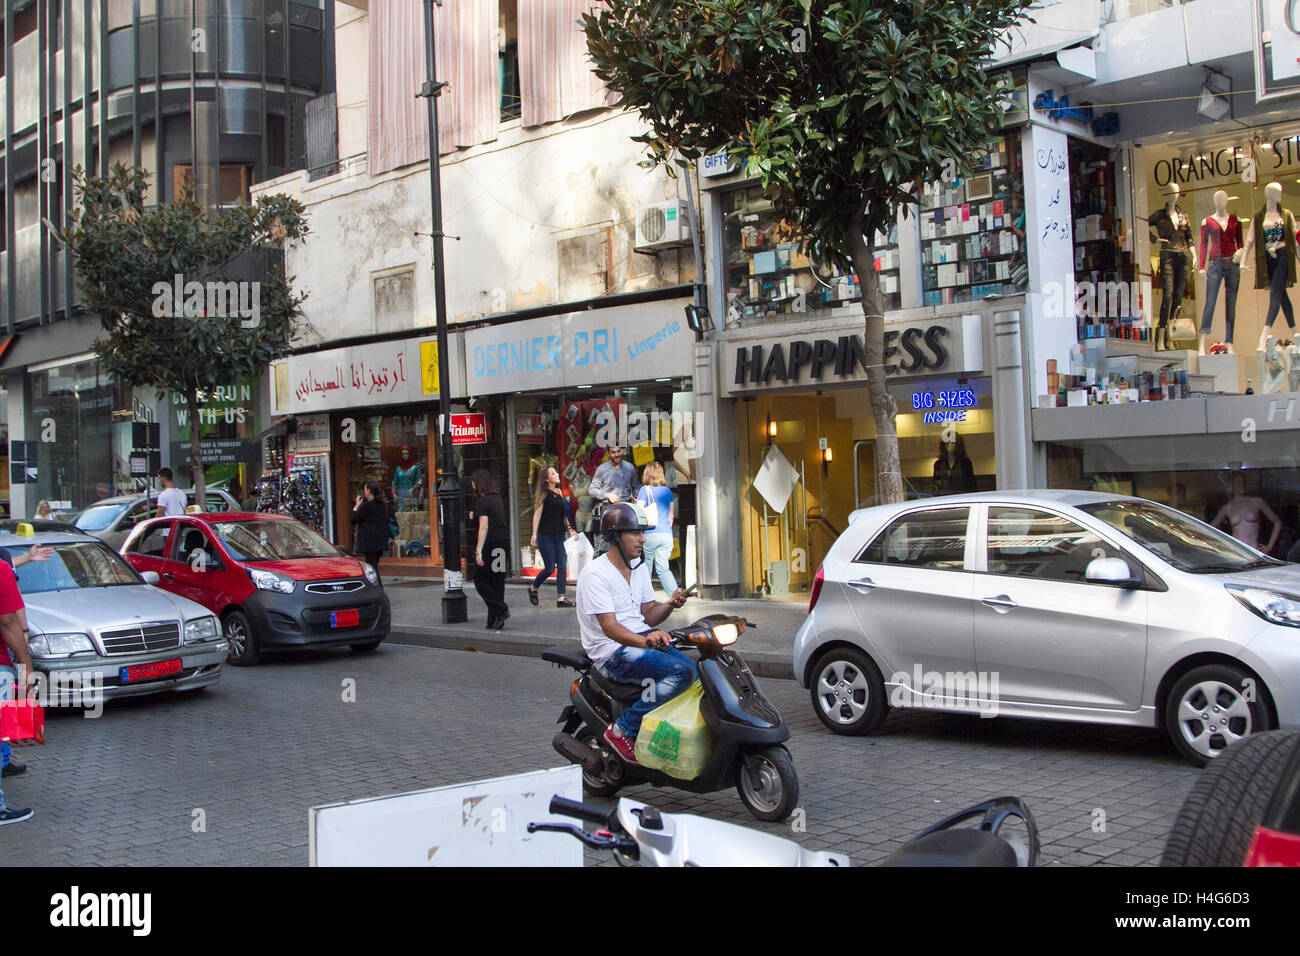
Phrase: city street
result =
(249, 756)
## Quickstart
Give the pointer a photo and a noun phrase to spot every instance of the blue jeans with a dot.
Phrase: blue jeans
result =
(656, 550)
(1225, 271)
(554, 559)
(1277, 294)
(671, 670)
(8, 678)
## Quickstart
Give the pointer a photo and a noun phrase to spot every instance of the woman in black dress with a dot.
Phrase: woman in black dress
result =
(491, 554)
(370, 515)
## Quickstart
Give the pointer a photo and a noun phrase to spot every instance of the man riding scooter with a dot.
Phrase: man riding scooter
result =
(617, 612)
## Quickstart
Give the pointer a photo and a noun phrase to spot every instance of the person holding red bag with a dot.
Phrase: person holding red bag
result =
(13, 650)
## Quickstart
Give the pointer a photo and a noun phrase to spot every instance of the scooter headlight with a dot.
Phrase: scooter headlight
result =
(726, 634)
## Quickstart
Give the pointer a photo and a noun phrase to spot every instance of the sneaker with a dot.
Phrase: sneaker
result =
(622, 745)
(532, 596)
(564, 603)
(13, 768)
(14, 816)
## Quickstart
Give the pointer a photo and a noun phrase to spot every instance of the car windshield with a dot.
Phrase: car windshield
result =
(267, 540)
(78, 564)
(1179, 539)
(99, 517)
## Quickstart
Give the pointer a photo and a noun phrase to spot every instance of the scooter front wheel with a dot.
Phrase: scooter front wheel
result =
(767, 783)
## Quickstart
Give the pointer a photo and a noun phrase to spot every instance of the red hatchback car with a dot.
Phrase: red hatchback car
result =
(272, 581)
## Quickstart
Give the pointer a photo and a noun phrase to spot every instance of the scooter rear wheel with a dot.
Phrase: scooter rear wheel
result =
(767, 783)
(594, 785)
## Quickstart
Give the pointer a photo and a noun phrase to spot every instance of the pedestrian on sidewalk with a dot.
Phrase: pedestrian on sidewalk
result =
(656, 500)
(550, 525)
(14, 684)
(171, 500)
(370, 515)
(491, 554)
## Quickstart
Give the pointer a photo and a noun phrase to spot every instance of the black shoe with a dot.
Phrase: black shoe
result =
(13, 769)
(532, 596)
(562, 602)
(14, 816)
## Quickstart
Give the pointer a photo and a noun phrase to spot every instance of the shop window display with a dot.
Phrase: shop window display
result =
(392, 450)
(972, 230)
(768, 277)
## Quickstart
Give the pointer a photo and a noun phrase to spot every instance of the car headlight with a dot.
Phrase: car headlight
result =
(371, 574)
(271, 582)
(1273, 606)
(48, 646)
(202, 629)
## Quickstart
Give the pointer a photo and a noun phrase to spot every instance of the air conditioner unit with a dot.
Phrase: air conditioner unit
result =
(662, 225)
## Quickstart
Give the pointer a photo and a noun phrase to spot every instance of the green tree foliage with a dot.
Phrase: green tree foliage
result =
(124, 249)
(843, 109)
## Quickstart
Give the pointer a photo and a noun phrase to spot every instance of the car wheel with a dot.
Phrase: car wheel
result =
(367, 647)
(767, 783)
(848, 693)
(1229, 799)
(1212, 708)
(244, 650)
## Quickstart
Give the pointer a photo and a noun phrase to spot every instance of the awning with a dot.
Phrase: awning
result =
(279, 426)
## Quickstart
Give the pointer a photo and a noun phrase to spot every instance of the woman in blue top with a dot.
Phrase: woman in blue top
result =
(656, 500)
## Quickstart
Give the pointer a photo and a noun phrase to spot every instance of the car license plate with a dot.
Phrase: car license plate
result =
(145, 671)
(350, 618)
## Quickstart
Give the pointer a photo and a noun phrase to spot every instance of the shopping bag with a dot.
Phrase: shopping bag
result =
(22, 722)
(578, 553)
(643, 454)
(674, 737)
(677, 549)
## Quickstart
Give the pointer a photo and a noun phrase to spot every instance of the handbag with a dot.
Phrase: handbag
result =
(647, 502)
(22, 722)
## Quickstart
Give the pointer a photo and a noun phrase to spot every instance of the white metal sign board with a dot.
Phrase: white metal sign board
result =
(484, 823)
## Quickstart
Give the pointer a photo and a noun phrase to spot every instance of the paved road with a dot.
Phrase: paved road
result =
(254, 752)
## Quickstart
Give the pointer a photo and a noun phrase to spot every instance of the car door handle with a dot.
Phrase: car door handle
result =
(863, 585)
(1002, 603)
(165, 576)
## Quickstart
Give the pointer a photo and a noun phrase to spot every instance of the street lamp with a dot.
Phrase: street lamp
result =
(453, 598)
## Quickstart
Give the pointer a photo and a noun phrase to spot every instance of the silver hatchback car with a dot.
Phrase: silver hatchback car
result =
(1065, 605)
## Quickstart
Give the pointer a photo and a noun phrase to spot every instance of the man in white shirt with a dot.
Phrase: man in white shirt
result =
(616, 613)
(171, 500)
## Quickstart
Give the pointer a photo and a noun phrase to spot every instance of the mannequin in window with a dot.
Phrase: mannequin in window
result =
(1221, 255)
(1272, 240)
(408, 480)
(1242, 513)
(1171, 230)
(953, 472)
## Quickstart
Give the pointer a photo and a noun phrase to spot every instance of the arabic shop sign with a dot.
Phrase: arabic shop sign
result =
(383, 373)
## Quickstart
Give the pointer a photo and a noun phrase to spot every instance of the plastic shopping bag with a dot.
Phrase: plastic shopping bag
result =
(579, 553)
(674, 737)
(22, 722)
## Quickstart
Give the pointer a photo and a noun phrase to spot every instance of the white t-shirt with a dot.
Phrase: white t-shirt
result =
(172, 501)
(602, 589)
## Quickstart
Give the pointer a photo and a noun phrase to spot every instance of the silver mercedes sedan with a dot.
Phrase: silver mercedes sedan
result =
(1065, 605)
(98, 629)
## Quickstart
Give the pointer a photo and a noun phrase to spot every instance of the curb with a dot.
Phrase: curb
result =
(532, 645)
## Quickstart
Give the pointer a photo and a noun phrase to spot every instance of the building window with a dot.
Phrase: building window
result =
(769, 277)
(508, 60)
(275, 141)
(972, 230)
(235, 180)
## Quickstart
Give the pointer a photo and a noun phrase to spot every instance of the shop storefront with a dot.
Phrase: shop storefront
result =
(362, 414)
(574, 385)
(70, 428)
(807, 438)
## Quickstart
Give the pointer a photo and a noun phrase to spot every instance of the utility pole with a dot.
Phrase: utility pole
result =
(453, 597)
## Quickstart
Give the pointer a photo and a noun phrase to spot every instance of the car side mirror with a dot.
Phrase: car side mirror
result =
(1111, 571)
(150, 577)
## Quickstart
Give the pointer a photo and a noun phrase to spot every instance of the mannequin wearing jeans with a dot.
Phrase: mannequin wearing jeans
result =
(1221, 255)
(1273, 241)
(1172, 230)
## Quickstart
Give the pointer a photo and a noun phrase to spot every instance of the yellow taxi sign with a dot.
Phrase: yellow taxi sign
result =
(25, 530)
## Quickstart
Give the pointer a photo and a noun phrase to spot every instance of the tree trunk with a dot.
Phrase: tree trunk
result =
(883, 407)
(196, 449)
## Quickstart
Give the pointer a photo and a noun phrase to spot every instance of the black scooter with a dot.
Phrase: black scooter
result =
(747, 729)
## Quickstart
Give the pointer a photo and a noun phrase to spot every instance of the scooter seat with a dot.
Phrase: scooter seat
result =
(578, 660)
(955, 848)
(623, 693)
